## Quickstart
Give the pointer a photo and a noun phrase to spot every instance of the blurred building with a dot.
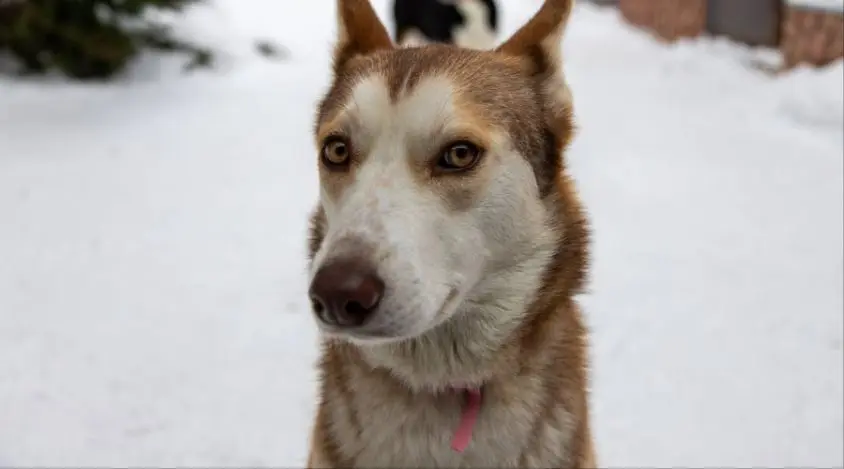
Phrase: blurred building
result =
(806, 31)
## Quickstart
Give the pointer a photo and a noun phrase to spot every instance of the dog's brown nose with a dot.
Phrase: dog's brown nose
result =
(345, 292)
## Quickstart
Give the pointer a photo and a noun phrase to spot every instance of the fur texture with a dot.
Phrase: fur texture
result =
(481, 266)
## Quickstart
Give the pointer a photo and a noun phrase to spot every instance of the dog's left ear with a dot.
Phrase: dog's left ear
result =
(359, 32)
(539, 44)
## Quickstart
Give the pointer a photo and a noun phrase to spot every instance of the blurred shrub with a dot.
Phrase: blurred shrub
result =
(88, 39)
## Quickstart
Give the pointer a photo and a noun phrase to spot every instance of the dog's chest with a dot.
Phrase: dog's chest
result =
(418, 432)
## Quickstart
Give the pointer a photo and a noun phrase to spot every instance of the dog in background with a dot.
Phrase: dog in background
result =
(471, 24)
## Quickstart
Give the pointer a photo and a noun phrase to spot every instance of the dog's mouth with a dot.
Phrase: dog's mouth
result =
(383, 328)
(448, 305)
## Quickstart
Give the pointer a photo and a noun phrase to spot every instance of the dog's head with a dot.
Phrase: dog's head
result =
(439, 167)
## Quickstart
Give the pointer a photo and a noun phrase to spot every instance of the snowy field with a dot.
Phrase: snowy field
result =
(152, 233)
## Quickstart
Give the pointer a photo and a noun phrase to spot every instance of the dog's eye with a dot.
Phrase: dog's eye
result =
(459, 157)
(335, 152)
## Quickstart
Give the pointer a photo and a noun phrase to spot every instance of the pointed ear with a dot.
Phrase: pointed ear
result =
(359, 32)
(539, 43)
(538, 47)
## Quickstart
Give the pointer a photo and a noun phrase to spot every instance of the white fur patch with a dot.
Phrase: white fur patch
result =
(387, 209)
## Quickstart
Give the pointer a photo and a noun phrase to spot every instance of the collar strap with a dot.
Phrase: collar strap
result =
(463, 434)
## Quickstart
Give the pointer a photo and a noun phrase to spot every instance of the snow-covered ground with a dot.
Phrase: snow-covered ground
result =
(828, 5)
(152, 233)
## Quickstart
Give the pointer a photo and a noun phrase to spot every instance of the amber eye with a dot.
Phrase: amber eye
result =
(335, 152)
(459, 157)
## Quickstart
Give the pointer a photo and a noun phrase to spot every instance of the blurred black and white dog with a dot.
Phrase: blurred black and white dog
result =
(471, 24)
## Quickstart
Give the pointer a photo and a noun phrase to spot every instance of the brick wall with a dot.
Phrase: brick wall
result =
(670, 19)
(811, 36)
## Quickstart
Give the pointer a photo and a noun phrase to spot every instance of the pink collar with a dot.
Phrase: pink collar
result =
(463, 434)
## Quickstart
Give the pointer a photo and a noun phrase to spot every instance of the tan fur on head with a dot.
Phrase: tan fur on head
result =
(539, 42)
(544, 31)
(481, 266)
(359, 32)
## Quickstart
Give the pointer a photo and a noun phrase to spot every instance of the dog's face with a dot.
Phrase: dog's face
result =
(435, 165)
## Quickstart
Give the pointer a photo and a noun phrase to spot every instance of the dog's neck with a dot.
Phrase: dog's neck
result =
(478, 343)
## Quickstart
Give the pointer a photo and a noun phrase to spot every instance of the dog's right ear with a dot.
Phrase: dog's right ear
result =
(359, 32)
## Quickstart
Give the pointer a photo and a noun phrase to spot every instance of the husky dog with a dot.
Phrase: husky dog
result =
(446, 250)
(465, 23)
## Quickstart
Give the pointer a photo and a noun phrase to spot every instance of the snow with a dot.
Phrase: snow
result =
(829, 5)
(152, 235)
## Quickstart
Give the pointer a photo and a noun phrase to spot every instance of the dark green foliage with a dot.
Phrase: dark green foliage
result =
(87, 39)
